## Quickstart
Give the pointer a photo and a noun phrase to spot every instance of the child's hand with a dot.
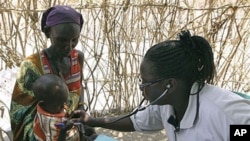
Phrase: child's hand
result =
(65, 125)
(68, 124)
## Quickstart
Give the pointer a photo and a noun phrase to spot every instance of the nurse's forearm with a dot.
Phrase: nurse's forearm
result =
(125, 124)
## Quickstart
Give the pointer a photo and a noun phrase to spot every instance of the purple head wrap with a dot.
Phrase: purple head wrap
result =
(59, 15)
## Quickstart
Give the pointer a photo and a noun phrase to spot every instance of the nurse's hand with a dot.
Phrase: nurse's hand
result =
(80, 116)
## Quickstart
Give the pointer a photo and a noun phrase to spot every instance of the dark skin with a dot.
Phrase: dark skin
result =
(124, 125)
(63, 132)
(177, 96)
(64, 38)
(52, 96)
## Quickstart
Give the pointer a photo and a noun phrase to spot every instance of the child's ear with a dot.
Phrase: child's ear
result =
(47, 31)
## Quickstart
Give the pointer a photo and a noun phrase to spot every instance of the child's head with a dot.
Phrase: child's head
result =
(51, 91)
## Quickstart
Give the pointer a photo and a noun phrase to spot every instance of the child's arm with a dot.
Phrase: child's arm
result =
(62, 135)
(63, 130)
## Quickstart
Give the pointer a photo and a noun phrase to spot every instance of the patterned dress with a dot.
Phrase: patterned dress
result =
(23, 105)
(45, 128)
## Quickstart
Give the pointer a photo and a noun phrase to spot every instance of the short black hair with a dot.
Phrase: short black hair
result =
(48, 86)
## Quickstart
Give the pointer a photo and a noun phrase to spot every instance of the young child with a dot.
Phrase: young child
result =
(50, 122)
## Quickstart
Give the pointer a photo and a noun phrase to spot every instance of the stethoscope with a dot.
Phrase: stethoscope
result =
(140, 107)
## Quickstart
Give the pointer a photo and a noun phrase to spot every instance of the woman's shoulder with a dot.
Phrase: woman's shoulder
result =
(34, 55)
(80, 53)
(33, 58)
(32, 61)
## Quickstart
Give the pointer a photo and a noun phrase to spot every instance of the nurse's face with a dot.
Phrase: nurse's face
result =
(151, 85)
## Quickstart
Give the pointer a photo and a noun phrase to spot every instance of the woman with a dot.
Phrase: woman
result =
(62, 25)
(175, 76)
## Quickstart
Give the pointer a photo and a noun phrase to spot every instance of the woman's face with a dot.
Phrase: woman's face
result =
(64, 37)
(152, 86)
